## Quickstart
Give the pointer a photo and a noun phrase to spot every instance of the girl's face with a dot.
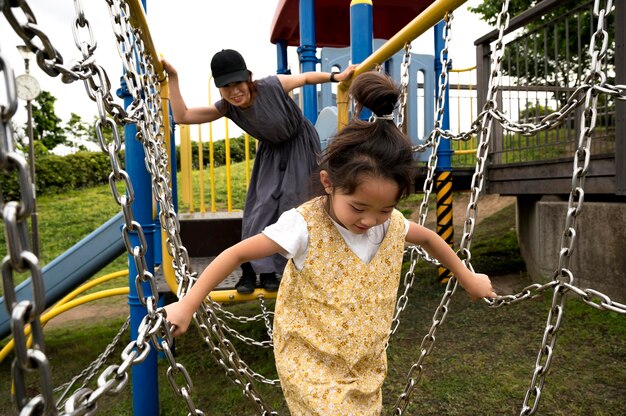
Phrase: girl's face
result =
(237, 93)
(370, 204)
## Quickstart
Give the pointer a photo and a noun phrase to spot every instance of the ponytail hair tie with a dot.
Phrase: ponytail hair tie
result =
(384, 117)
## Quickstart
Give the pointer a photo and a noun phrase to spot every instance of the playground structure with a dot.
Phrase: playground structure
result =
(153, 141)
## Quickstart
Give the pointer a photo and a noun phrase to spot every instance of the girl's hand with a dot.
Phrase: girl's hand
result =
(478, 286)
(346, 74)
(178, 315)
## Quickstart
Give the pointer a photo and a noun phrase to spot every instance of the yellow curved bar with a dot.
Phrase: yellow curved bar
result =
(418, 26)
(353, 2)
(465, 152)
(471, 68)
(88, 285)
(57, 310)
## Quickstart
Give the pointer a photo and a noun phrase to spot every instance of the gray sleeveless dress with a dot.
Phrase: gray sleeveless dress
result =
(286, 159)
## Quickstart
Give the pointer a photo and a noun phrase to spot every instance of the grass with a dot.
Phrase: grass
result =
(481, 364)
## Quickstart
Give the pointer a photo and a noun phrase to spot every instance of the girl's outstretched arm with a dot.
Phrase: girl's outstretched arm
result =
(181, 312)
(477, 285)
(290, 82)
(182, 114)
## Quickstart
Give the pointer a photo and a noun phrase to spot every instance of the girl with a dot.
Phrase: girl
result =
(336, 301)
(289, 145)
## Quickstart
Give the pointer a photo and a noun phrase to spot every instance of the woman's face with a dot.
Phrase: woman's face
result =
(237, 94)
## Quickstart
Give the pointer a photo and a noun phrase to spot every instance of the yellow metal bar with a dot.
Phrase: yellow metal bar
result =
(418, 26)
(184, 166)
(138, 20)
(465, 152)
(247, 150)
(211, 156)
(201, 169)
(229, 191)
(471, 68)
(166, 264)
(89, 284)
(55, 311)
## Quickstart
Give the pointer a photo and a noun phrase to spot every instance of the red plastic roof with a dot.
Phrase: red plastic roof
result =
(332, 20)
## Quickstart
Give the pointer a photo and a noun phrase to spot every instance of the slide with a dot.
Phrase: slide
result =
(72, 268)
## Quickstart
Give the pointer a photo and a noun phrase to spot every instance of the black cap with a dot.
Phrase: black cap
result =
(228, 66)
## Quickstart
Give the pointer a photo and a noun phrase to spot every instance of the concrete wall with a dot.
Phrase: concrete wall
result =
(599, 257)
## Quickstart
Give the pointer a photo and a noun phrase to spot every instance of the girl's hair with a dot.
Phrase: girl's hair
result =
(375, 149)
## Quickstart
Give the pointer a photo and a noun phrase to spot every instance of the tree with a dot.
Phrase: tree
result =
(552, 50)
(46, 124)
(77, 129)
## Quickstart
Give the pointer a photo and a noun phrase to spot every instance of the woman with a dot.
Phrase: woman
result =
(288, 150)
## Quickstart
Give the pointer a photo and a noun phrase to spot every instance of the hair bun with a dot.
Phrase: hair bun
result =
(375, 91)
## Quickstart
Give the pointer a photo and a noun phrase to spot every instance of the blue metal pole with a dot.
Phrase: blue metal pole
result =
(443, 174)
(361, 35)
(308, 58)
(444, 153)
(144, 375)
(282, 64)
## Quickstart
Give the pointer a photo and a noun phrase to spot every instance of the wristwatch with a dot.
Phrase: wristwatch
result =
(27, 87)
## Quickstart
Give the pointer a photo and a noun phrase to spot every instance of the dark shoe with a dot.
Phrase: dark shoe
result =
(246, 284)
(269, 282)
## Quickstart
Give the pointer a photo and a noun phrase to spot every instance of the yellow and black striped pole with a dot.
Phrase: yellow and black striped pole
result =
(445, 223)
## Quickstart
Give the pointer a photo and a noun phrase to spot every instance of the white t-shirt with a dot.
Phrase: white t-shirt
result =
(291, 233)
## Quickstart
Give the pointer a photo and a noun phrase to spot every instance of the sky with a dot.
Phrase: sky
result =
(188, 34)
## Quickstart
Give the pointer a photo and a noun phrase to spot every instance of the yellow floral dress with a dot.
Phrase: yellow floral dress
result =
(332, 320)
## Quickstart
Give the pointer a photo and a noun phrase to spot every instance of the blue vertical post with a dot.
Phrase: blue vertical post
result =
(443, 173)
(444, 154)
(308, 57)
(144, 375)
(361, 35)
(282, 64)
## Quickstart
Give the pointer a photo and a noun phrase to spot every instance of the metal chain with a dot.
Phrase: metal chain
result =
(151, 135)
(483, 128)
(226, 355)
(238, 318)
(433, 140)
(266, 318)
(146, 111)
(246, 340)
(92, 368)
(563, 276)
(404, 84)
(20, 258)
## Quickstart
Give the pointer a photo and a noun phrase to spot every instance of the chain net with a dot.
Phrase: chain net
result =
(146, 112)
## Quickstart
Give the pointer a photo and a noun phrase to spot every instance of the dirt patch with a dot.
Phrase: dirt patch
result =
(96, 311)
(486, 206)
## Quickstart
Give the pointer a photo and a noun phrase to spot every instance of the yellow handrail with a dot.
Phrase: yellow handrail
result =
(418, 26)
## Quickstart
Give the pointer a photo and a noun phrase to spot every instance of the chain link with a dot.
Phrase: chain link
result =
(483, 129)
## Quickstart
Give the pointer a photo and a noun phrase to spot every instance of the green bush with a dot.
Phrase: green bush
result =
(237, 152)
(61, 173)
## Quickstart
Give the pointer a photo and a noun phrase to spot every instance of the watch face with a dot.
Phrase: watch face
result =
(27, 87)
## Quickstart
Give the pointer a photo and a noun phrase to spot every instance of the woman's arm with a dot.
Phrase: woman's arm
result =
(477, 285)
(182, 114)
(181, 312)
(290, 82)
